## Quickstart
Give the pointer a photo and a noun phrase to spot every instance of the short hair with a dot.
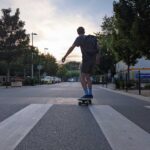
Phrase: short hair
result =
(80, 30)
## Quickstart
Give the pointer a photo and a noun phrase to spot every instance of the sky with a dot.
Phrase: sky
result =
(56, 21)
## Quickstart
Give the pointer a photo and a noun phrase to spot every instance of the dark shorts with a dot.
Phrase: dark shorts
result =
(87, 67)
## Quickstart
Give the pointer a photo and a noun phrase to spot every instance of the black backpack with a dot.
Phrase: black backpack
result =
(90, 44)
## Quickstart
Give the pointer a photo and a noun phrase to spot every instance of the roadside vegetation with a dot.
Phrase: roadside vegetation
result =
(124, 36)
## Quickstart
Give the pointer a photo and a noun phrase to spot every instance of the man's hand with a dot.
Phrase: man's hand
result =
(63, 59)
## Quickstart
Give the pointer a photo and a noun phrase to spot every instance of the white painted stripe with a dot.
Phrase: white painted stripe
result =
(147, 107)
(17, 126)
(121, 133)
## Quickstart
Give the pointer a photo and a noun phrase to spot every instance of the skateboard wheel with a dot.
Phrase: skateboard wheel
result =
(79, 103)
(90, 102)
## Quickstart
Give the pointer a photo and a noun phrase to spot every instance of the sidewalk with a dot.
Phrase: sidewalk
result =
(145, 93)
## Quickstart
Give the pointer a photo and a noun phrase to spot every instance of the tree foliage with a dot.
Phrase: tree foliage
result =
(72, 65)
(73, 69)
(13, 37)
(62, 72)
(122, 38)
(15, 51)
(107, 54)
(132, 30)
(132, 23)
(49, 64)
(141, 26)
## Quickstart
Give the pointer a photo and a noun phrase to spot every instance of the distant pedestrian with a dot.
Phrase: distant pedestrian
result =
(89, 50)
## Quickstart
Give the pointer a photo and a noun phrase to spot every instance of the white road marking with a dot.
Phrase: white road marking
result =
(147, 107)
(66, 100)
(60, 100)
(121, 133)
(17, 126)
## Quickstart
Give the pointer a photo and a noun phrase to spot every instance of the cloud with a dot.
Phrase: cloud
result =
(55, 25)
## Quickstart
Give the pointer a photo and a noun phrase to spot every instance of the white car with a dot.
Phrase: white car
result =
(47, 79)
(57, 80)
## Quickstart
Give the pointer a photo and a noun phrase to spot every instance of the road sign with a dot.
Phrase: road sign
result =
(143, 75)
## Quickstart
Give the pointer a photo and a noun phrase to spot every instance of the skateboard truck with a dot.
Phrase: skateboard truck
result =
(84, 102)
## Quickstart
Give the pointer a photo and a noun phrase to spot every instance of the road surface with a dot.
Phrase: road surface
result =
(48, 117)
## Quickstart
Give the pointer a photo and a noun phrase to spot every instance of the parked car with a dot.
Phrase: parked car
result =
(47, 79)
(57, 80)
(71, 80)
(51, 79)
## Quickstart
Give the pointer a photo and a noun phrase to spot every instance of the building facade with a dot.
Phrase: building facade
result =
(142, 67)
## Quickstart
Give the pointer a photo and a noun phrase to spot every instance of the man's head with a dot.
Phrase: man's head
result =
(80, 30)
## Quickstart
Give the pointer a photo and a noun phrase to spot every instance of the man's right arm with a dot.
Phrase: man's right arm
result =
(76, 43)
(68, 52)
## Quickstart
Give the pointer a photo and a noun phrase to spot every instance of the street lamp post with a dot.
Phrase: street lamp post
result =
(39, 67)
(32, 69)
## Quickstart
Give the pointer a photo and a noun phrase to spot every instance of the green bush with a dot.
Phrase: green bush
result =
(147, 86)
(6, 84)
(120, 84)
(132, 84)
(30, 81)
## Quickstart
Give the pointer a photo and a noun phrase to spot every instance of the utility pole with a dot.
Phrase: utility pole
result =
(32, 67)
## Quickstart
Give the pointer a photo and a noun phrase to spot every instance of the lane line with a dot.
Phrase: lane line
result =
(17, 126)
(148, 107)
(121, 133)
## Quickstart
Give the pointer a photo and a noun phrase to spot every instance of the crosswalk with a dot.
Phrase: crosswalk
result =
(16, 127)
(148, 107)
(120, 132)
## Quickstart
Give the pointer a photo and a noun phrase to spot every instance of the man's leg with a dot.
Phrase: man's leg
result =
(84, 83)
(89, 84)
(85, 79)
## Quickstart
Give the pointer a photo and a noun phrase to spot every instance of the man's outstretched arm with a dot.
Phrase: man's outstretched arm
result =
(68, 52)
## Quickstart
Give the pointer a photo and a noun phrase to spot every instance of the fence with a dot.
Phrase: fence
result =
(138, 78)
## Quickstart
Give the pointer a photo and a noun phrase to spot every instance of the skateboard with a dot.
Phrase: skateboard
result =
(84, 101)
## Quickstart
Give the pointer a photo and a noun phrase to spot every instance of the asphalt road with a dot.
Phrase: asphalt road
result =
(48, 117)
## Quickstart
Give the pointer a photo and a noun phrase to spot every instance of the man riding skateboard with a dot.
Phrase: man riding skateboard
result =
(89, 50)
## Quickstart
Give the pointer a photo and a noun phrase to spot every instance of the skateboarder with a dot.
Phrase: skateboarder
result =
(89, 50)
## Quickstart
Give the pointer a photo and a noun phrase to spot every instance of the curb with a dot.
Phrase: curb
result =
(140, 97)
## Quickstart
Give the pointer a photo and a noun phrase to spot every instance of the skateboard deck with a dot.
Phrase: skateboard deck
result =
(84, 101)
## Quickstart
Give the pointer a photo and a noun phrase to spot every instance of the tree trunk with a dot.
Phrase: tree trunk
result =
(8, 75)
(128, 72)
(24, 72)
(128, 77)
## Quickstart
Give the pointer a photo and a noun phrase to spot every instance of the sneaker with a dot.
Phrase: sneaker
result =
(90, 96)
(85, 97)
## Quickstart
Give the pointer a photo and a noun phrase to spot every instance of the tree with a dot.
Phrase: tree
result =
(72, 65)
(141, 26)
(73, 69)
(133, 29)
(26, 60)
(123, 37)
(50, 64)
(107, 53)
(2, 68)
(13, 38)
(62, 72)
